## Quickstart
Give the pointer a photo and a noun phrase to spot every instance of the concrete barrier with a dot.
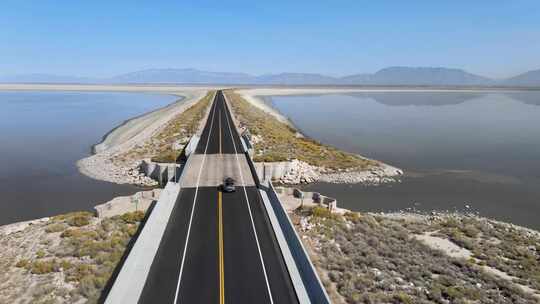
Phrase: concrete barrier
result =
(140, 201)
(311, 280)
(248, 147)
(273, 170)
(253, 170)
(164, 172)
(311, 197)
(129, 283)
(296, 277)
(160, 172)
(192, 145)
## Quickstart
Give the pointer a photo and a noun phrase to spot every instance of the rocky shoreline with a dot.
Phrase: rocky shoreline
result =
(297, 172)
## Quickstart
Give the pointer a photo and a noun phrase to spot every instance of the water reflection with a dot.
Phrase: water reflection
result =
(479, 149)
(43, 134)
(418, 98)
(528, 97)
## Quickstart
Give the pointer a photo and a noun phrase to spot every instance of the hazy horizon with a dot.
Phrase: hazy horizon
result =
(45, 73)
(103, 39)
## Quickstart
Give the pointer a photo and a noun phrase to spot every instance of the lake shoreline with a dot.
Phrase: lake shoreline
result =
(131, 133)
(94, 150)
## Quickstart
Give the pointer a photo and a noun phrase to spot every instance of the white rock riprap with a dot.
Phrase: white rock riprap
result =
(382, 174)
(100, 166)
(299, 172)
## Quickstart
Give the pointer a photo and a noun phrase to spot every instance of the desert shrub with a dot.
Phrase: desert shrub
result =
(131, 230)
(321, 212)
(79, 271)
(167, 156)
(43, 267)
(132, 217)
(452, 293)
(55, 227)
(402, 297)
(66, 264)
(460, 239)
(352, 216)
(40, 253)
(470, 231)
(23, 263)
(451, 223)
(76, 234)
(42, 294)
(79, 219)
(87, 287)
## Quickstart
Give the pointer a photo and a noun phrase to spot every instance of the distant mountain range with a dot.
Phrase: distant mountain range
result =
(392, 76)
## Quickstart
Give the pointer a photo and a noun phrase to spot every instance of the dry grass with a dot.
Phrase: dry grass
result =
(281, 142)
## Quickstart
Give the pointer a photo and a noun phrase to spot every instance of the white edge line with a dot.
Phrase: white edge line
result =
(249, 208)
(194, 204)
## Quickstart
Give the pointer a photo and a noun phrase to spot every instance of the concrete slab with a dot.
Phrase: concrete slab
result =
(216, 168)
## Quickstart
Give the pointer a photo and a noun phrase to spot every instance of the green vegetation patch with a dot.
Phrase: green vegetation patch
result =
(280, 142)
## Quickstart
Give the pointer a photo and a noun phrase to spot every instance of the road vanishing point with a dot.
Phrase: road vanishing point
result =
(218, 247)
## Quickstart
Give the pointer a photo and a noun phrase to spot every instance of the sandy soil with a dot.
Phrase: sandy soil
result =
(445, 245)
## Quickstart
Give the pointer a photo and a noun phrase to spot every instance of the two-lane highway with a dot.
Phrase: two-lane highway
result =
(218, 247)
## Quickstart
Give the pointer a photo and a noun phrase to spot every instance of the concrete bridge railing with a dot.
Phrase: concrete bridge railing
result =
(310, 278)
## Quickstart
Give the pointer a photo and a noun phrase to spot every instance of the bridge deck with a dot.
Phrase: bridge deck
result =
(218, 247)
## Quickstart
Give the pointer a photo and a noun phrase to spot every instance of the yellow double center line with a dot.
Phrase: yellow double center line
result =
(221, 264)
(220, 234)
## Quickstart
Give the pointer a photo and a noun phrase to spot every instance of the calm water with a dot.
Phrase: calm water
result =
(458, 149)
(43, 134)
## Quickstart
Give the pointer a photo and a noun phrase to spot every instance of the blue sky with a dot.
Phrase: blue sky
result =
(494, 38)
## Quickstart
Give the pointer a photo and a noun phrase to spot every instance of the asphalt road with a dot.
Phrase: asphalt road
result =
(219, 247)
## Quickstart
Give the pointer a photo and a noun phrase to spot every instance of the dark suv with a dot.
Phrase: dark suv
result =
(228, 185)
